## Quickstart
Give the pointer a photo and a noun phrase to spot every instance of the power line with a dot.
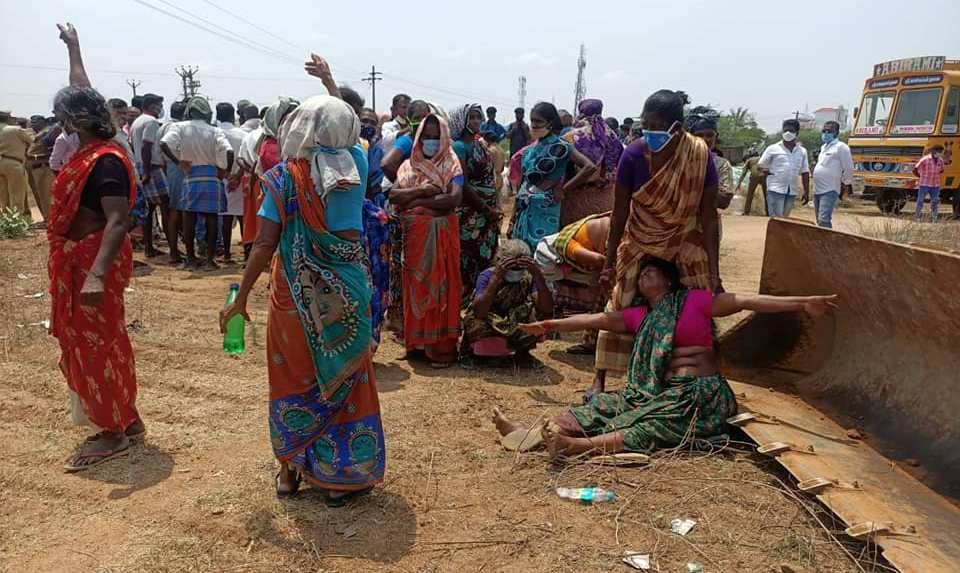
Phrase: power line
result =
(254, 25)
(373, 79)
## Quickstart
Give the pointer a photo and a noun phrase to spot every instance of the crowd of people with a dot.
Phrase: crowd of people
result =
(396, 223)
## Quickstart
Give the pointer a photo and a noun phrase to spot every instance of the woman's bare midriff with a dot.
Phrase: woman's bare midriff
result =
(354, 236)
(86, 222)
(693, 361)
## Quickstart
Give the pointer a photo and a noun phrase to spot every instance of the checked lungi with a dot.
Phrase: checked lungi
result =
(203, 191)
(155, 190)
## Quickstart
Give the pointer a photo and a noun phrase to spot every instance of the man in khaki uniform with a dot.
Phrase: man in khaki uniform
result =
(14, 142)
(38, 164)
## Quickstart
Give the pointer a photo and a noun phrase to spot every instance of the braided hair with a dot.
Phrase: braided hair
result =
(85, 109)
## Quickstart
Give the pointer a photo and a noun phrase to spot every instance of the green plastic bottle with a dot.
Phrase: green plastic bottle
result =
(233, 338)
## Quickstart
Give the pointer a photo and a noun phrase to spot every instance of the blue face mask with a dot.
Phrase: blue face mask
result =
(431, 147)
(656, 140)
(827, 136)
(514, 276)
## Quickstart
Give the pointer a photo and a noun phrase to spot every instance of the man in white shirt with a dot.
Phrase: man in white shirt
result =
(174, 178)
(783, 162)
(144, 135)
(833, 174)
(235, 136)
(205, 156)
(391, 129)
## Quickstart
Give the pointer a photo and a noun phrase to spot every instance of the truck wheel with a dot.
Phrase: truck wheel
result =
(891, 200)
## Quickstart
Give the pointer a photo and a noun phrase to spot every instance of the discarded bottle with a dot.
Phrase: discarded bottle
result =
(233, 337)
(586, 494)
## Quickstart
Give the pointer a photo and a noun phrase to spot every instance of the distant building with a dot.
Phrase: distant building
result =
(825, 114)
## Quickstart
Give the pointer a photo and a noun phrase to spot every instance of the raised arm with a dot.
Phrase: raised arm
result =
(319, 68)
(725, 304)
(78, 75)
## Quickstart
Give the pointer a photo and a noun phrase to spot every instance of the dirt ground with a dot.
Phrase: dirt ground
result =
(198, 495)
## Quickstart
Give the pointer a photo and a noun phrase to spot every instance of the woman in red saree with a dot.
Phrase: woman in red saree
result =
(427, 192)
(90, 264)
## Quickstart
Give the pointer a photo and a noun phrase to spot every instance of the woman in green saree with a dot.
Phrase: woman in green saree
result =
(674, 387)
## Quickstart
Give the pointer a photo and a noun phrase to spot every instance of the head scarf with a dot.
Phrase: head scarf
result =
(593, 137)
(199, 108)
(438, 170)
(322, 130)
(458, 119)
(701, 118)
(275, 113)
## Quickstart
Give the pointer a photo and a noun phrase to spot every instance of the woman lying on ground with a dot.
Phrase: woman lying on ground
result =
(673, 382)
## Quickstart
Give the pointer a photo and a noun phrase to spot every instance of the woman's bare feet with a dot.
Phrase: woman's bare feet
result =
(504, 424)
(288, 480)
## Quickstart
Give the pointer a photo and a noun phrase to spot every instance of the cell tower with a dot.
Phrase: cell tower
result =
(580, 92)
(522, 92)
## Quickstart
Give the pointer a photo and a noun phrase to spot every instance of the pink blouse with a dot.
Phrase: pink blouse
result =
(694, 325)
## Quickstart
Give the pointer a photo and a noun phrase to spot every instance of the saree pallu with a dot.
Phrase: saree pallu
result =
(479, 237)
(376, 235)
(653, 411)
(96, 356)
(431, 281)
(324, 411)
(664, 223)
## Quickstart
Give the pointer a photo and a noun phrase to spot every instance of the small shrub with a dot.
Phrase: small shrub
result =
(13, 224)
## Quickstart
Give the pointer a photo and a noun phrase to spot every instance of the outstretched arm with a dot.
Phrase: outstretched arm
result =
(725, 304)
(610, 321)
(78, 75)
(319, 68)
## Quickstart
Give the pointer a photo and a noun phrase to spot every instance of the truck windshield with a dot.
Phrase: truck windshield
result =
(917, 111)
(873, 116)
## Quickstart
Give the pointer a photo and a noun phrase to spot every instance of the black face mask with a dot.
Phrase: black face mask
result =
(368, 132)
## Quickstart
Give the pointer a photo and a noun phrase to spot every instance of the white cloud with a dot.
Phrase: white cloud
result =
(614, 75)
(535, 58)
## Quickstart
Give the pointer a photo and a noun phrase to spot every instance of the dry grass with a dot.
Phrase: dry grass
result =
(941, 235)
(198, 496)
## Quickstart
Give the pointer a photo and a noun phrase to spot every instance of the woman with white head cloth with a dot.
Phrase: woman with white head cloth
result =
(324, 413)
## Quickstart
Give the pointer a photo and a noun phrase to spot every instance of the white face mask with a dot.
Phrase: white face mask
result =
(789, 136)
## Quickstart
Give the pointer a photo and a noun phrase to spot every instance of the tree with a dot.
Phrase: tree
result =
(738, 128)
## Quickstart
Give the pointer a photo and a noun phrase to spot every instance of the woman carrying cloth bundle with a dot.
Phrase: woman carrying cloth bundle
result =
(324, 411)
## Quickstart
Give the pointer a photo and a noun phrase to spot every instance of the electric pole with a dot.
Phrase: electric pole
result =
(373, 78)
(189, 84)
(522, 92)
(134, 84)
(580, 91)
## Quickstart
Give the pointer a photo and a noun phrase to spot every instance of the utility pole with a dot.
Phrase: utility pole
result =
(580, 91)
(134, 84)
(189, 84)
(522, 92)
(373, 78)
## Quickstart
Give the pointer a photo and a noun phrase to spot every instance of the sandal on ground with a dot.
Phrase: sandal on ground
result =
(582, 349)
(522, 440)
(73, 465)
(294, 488)
(340, 499)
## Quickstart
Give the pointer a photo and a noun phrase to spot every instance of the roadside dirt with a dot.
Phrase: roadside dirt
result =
(198, 496)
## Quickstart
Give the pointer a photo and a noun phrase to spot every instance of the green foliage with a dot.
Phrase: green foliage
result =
(738, 128)
(13, 224)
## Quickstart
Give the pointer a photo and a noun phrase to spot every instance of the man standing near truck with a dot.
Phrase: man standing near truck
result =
(928, 169)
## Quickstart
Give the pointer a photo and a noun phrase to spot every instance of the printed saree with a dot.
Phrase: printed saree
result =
(653, 411)
(478, 235)
(537, 210)
(513, 305)
(324, 411)
(96, 356)
(594, 139)
(376, 236)
(663, 223)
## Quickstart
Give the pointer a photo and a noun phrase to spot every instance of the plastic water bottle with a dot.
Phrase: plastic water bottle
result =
(586, 494)
(233, 338)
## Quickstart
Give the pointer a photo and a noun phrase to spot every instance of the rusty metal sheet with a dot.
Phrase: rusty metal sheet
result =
(929, 526)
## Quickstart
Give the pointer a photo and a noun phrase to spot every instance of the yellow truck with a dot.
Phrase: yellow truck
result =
(907, 106)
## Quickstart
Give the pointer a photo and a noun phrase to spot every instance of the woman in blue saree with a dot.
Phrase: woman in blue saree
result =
(544, 177)
(324, 412)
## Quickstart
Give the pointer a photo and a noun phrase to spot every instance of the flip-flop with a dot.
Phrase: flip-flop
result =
(522, 440)
(138, 437)
(98, 457)
(342, 500)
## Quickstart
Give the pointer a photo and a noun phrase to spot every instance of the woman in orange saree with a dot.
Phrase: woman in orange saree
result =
(90, 264)
(324, 414)
(427, 192)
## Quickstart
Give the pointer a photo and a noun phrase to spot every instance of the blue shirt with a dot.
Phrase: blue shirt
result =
(344, 208)
(405, 144)
(374, 159)
(496, 128)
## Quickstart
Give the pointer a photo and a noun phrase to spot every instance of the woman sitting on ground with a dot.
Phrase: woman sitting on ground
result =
(673, 382)
(507, 295)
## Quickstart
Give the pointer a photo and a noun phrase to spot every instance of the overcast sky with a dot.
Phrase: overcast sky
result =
(771, 57)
